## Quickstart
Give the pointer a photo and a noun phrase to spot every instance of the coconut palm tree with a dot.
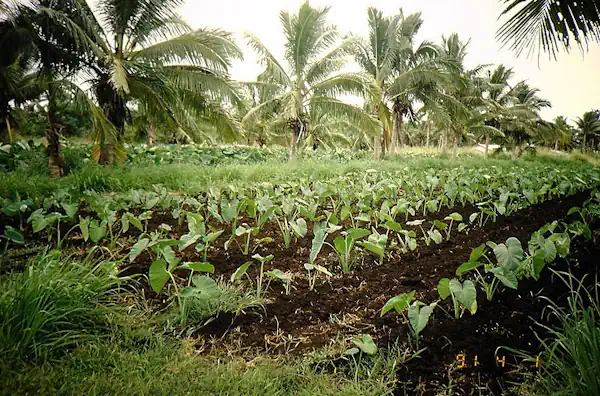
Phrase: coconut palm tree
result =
(141, 51)
(312, 80)
(588, 128)
(521, 124)
(550, 25)
(399, 70)
(44, 54)
(561, 133)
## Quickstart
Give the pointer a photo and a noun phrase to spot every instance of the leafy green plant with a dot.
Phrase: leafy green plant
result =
(418, 316)
(363, 344)
(343, 245)
(399, 304)
(452, 218)
(285, 279)
(464, 296)
(259, 283)
(376, 244)
(313, 271)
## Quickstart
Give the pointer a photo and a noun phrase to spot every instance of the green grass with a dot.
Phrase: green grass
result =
(53, 304)
(171, 368)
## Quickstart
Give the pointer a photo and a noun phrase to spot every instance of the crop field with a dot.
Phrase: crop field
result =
(415, 275)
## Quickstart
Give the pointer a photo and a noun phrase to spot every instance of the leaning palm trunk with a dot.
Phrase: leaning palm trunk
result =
(52, 132)
(487, 144)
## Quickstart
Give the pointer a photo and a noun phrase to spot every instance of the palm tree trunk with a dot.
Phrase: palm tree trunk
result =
(487, 144)
(397, 136)
(295, 136)
(427, 130)
(151, 133)
(584, 138)
(115, 111)
(455, 146)
(52, 132)
(556, 145)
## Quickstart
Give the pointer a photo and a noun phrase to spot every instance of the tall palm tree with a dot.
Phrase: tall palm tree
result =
(399, 71)
(44, 54)
(588, 127)
(550, 25)
(143, 51)
(499, 96)
(312, 81)
(522, 124)
(562, 132)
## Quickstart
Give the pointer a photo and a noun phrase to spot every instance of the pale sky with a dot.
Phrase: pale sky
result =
(571, 83)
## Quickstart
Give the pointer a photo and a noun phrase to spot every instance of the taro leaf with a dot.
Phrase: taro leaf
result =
(84, 224)
(136, 222)
(392, 225)
(473, 216)
(477, 253)
(13, 235)
(241, 230)
(311, 267)
(468, 266)
(124, 223)
(375, 248)
(418, 316)
(454, 216)
(538, 262)
(229, 210)
(138, 248)
(169, 256)
(365, 344)
(462, 227)
(340, 244)
(436, 236)
(188, 240)
(509, 255)
(574, 209)
(351, 351)
(97, 230)
(363, 217)
(39, 222)
(443, 288)
(240, 272)
(165, 227)
(158, 275)
(263, 259)
(465, 294)
(357, 233)
(344, 212)
(562, 242)
(70, 209)
(278, 274)
(299, 227)
(549, 251)
(398, 303)
(317, 244)
(415, 222)
(506, 276)
(205, 287)
(440, 225)
(200, 267)
(212, 236)
(266, 216)
(412, 243)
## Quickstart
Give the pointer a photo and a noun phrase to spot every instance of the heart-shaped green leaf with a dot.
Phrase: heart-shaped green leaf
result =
(158, 275)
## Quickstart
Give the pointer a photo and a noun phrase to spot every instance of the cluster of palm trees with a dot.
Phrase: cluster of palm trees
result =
(137, 63)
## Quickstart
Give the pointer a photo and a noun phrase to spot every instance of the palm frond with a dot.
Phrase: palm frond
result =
(337, 108)
(275, 71)
(549, 25)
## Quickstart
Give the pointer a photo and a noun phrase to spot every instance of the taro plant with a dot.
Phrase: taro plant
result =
(418, 317)
(452, 218)
(259, 283)
(199, 235)
(362, 345)
(343, 246)
(399, 304)
(376, 244)
(464, 295)
(313, 271)
(508, 255)
(17, 208)
(284, 278)
(11, 235)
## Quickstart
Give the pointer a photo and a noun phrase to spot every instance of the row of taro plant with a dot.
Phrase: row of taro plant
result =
(492, 267)
(368, 200)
